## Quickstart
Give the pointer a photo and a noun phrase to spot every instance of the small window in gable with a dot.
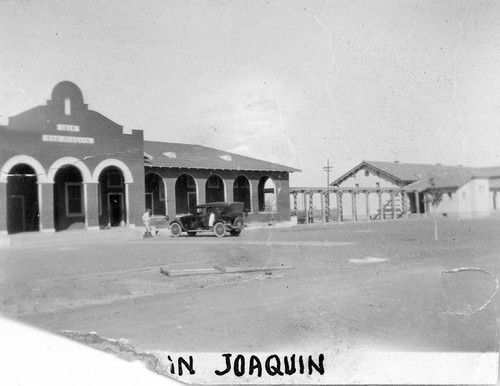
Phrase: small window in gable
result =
(367, 173)
(67, 106)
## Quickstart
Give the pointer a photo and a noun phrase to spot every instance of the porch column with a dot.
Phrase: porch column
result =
(229, 193)
(254, 196)
(405, 203)
(393, 207)
(323, 216)
(367, 197)
(3, 209)
(91, 205)
(417, 204)
(381, 208)
(306, 211)
(353, 208)
(295, 205)
(310, 209)
(339, 206)
(127, 205)
(46, 206)
(170, 195)
(393, 204)
(327, 206)
(201, 191)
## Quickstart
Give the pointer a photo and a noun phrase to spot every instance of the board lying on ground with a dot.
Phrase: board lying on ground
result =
(217, 269)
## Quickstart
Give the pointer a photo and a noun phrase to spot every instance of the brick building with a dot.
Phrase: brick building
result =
(65, 166)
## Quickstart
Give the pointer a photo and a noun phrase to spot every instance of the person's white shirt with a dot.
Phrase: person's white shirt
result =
(211, 219)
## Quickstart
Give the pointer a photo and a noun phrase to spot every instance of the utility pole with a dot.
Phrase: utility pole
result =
(326, 213)
(327, 169)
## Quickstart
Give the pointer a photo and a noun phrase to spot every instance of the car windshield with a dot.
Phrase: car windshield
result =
(204, 210)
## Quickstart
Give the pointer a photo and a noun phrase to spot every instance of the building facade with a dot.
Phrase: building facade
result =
(65, 166)
(465, 192)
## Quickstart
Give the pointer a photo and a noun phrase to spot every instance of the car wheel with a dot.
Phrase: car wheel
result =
(192, 234)
(238, 223)
(220, 229)
(175, 230)
(237, 226)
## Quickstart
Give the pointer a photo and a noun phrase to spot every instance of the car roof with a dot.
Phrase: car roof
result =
(210, 204)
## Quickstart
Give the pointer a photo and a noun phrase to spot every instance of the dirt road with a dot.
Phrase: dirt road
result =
(373, 285)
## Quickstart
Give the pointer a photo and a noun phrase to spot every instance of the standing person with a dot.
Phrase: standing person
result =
(211, 217)
(146, 220)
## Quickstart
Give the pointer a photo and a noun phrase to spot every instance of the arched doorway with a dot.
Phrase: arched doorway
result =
(214, 189)
(185, 194)
(68, 199)
(267, 195)
(241, 192)
(112, 199)
(22, 200)
(155, 194)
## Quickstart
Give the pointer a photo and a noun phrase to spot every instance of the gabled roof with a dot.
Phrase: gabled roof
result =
(486, 172)
(424, 176)
(181, 155)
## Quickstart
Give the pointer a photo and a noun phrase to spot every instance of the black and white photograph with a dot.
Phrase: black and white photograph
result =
(249, 192)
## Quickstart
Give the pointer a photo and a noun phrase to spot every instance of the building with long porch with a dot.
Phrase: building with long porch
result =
(65, 166)
(375, 190)
(465, 191)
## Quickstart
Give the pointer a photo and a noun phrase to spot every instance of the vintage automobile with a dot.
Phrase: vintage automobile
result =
(216, 217)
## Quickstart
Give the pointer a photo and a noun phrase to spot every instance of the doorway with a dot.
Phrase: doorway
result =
(22, 200)
(115, 210)
(17, 215)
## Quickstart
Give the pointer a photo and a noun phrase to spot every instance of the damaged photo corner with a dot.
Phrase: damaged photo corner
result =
(249, 192)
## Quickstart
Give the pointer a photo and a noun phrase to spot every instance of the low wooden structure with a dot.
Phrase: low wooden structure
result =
(400, 209)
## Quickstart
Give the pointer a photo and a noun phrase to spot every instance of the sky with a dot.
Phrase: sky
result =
(291, 82)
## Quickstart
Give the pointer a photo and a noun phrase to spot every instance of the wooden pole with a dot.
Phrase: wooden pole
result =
(381, 208)
(367, 196)
(406, 204)
(323, 216)
(311, 213)
(339, 206)
(354, 209)
(417, 203)
(306, 211)
(393, 204)
(327, 206)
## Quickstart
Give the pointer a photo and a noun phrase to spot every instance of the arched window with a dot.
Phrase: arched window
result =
(267, 195)
(241, 192)
(67, 106)
(214, 189)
